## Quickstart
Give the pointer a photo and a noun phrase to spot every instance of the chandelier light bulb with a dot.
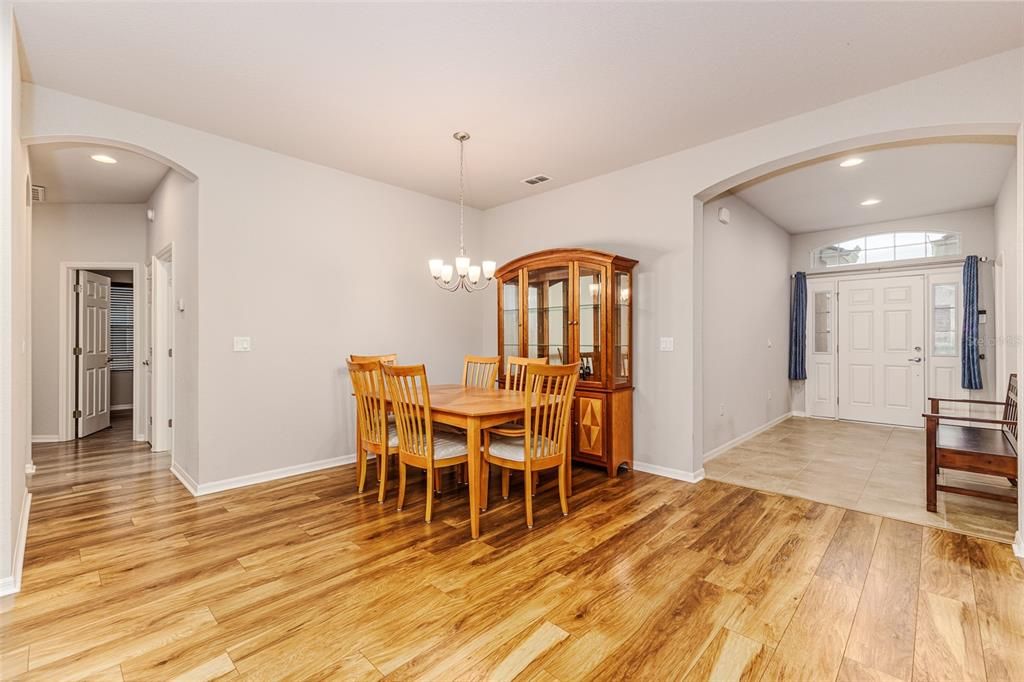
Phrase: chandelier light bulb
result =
(474, 274)
(435, 267)
(446, 273)
(462, 265)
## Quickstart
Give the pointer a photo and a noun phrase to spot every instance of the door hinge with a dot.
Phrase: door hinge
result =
(170, 352)
(150, 420)
(77, 414)
(77, 350)
(78, 288)
(170, 423)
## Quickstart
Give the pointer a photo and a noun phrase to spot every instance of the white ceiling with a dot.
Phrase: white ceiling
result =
(70, 176)
(910, 181)
(570, 90)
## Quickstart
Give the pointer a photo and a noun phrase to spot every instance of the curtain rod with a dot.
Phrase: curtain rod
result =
(918, 266)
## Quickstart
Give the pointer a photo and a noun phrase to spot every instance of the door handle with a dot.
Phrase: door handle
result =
(917, 359)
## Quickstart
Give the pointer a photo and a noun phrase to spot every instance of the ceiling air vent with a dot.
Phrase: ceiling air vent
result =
(536, 179)
(38, 193)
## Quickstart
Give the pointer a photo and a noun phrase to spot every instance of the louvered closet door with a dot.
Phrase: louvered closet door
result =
(94, 360)
(881, 350)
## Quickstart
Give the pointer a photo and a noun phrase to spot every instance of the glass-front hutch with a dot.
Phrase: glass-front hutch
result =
(576, 305)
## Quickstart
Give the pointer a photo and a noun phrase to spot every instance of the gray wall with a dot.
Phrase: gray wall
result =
(71, 233)
(746, 308)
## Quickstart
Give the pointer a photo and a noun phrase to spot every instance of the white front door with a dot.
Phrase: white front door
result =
(93, 352)
(882, 355)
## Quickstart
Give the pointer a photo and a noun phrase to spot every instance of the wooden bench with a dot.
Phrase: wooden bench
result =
(966, 447)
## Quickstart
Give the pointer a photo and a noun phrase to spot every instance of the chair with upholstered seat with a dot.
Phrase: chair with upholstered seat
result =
(515, 380)
(377, 434)
(418, 444)
(547, 402)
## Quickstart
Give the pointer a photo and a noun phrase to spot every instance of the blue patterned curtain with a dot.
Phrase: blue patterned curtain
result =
(970, 363)
(798, 329)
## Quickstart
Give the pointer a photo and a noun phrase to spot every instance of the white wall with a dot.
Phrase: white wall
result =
(746, 308)
(648, 212)
(312, 264)
(175, 204)
(976, 228)
(66, 233)
(15, 265)
(1005, 253)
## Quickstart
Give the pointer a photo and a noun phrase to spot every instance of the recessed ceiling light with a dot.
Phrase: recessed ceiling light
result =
(870, 202)
(851, 162)
(103, 158)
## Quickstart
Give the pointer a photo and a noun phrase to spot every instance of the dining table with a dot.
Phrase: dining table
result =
(474, 409)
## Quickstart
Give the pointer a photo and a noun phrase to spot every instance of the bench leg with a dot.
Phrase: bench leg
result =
(931, 471)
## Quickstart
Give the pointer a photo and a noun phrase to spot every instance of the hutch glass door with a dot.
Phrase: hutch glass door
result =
(588, 327)
(622, 299)
(547, 303)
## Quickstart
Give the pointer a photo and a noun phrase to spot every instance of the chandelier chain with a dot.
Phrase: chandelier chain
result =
(462, 200)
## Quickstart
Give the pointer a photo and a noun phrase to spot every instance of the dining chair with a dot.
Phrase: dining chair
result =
(515, 380)
(418, 445)
(377, 434)
(480, 371)
(547, 403)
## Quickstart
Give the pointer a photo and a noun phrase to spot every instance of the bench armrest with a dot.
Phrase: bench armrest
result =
(973, 402)
(1004, 422)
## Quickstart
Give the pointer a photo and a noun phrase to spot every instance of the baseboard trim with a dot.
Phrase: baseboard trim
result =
(45, 438)
(201, 489)
(30, 468)
(667, 472)
(121, 408)
(12, 584)
(184, 479)
(1018, 544)
(711, 454)
(798, 413)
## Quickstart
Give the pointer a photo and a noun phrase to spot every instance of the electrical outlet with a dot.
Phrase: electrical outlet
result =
(721, 410)
(769, 395)
(770, 344)
(667, 343)
(242, 344)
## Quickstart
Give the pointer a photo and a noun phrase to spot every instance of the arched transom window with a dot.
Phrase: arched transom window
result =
(887, 247)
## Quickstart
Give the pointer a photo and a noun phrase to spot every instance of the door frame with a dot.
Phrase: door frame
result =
(65, 339)
(161, 339)
(881, 273)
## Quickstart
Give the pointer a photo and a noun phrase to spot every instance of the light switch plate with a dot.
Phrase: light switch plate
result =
(242, 344)
(667, 343)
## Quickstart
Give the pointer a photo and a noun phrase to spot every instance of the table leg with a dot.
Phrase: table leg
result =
(473, 448)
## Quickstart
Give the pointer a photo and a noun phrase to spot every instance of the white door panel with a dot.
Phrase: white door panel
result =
(881, 350)
(820, 391)
(94, 359)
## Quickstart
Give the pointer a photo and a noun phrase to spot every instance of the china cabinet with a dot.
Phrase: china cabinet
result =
(575, 305)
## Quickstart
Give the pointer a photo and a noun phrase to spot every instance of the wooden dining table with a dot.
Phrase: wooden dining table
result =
(473, 410)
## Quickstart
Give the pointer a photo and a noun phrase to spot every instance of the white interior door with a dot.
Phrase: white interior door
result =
(93, 329)
(882, 355)
(162, 362)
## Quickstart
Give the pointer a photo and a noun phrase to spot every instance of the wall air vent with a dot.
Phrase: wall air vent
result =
(38, 193)
(536, 179)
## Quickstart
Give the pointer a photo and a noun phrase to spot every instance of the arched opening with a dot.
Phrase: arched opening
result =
(721, 433)
(114, 332)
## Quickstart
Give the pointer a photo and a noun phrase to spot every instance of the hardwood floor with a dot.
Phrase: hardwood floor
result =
(129, 577)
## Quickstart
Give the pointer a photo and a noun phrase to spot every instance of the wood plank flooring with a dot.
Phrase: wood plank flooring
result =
(128, 577)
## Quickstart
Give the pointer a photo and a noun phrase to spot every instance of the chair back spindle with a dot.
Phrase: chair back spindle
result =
(548, 401)
(480, 371)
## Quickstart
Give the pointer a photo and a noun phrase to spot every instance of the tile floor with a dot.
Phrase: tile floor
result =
(865, 467)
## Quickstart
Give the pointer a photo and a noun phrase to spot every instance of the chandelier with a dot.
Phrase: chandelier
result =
(468, 275)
